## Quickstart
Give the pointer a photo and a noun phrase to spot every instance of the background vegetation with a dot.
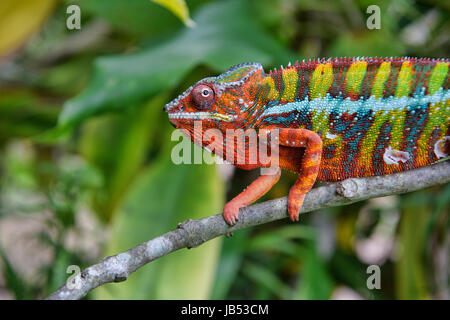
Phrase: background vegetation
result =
(85, 151)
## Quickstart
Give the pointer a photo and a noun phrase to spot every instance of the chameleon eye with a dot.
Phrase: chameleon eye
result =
(203, 96)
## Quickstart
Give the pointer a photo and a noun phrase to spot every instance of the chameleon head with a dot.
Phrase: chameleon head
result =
(228, 101)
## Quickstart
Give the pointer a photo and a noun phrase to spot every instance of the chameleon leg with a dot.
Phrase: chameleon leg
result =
(308, 168)
(252, 193)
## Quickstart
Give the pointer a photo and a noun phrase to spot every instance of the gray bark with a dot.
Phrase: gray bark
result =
(192, 233)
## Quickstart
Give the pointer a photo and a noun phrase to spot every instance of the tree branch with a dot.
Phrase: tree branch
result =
(192, 233)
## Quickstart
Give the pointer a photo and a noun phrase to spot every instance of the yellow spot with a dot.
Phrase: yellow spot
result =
(437, 77)
(382, 75)
(398, 116)
(397, 119)
(438, 113)
(404, 80)
(321, 80)
(222, 116)
(355, 76)
(320, 121)
(273, 93)
(290, 78)
(368, 144)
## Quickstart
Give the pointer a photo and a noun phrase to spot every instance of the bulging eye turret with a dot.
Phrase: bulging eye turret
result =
(203, 96)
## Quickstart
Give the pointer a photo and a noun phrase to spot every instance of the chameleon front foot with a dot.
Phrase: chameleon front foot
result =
(231, 213)
(253, 192)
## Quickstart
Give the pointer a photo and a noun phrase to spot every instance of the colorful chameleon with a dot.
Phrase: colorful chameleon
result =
(336, 119)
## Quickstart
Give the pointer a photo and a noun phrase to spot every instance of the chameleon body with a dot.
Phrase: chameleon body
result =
(336, 118)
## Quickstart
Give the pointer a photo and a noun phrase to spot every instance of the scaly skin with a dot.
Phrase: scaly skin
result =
(336, 119)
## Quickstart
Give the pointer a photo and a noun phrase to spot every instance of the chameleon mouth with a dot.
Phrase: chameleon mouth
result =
(201, 116)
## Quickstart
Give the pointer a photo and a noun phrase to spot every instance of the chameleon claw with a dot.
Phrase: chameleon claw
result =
(294, 206)
(294, 216)
(231, 213)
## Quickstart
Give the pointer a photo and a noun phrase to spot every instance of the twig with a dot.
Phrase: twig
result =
(192, 233)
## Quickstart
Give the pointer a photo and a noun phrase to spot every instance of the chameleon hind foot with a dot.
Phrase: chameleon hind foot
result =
(308, 168)
(295, 203)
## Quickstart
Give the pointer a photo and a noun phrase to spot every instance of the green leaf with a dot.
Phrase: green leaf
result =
(280, 240)
(178, 8)
(120, 81)
(140, 18)
(163, 196)
(231, 258)
(315, 281)
(23, 113)
(266, 278)
(410, 275)
(130, 136)
(14, 281)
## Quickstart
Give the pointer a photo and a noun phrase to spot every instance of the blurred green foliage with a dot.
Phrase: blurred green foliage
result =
(82, 129)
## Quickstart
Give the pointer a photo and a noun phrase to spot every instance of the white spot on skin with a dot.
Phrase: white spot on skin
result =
(394, 156)
(330, 136)
(439, 147)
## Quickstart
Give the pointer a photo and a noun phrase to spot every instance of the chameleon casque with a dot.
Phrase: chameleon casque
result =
(336, 118)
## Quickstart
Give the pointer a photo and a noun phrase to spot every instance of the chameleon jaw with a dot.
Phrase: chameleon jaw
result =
(201, 116)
